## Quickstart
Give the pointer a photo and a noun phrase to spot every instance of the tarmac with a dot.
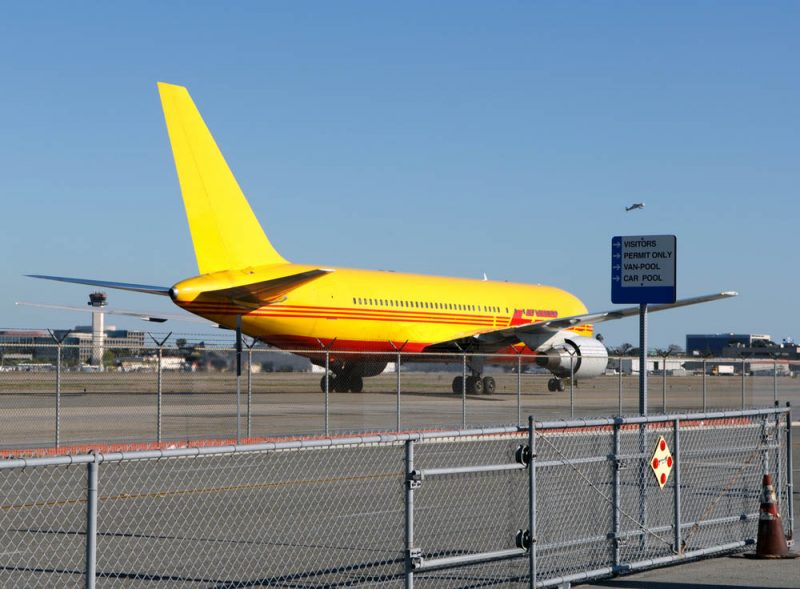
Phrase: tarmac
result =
(713, 573)
(105, 407)
(723, 571)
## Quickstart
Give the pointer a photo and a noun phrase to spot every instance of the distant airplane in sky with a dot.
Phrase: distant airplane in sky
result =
(636, 205)
(245, 284)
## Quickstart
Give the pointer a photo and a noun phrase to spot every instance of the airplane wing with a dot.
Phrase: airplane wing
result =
(154, 317)
(146, 288)
(575, 320)
(265, 292)
(497, 338)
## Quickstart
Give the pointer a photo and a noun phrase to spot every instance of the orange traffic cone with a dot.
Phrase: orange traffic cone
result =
(771, 539)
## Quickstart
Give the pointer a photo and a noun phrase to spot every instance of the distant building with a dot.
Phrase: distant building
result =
(740, 345)
(630, 365)
(77, 345)
(113, 339)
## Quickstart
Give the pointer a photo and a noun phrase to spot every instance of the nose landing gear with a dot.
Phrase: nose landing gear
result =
(555, 384)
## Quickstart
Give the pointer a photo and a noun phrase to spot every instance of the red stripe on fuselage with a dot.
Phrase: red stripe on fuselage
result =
(221, 309)
(342, 310)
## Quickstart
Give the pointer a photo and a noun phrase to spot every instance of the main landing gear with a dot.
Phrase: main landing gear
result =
(475, 385)
(555, 385)
(342, 383)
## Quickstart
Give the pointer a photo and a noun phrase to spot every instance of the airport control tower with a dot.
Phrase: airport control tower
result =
(98, 300)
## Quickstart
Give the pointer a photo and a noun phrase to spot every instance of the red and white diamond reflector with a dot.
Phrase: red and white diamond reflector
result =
(661, 462)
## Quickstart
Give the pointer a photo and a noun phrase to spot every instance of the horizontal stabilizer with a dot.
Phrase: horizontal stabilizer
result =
(153, 317)
(265, 292)
(159, 290)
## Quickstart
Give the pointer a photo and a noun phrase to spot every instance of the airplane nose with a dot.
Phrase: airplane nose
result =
(173, 294)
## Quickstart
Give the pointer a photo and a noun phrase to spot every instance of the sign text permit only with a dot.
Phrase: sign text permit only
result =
(643, 269)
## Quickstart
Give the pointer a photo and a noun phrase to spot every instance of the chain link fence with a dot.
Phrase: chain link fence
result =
(175, 389)
(538, 506)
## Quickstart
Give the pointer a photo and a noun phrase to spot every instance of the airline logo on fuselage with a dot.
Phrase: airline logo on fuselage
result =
(524, 316)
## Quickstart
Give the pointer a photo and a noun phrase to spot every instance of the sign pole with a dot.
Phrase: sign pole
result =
(643, 272)
(643, 359)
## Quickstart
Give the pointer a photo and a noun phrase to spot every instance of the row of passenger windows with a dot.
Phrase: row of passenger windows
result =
(427, 305)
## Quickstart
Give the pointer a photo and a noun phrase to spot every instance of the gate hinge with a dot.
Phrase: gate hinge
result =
(523, 455)
(414, 557)
(524, 539)
(617, 540)
(414, 479)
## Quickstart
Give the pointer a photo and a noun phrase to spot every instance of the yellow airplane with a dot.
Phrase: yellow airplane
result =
(244, 281)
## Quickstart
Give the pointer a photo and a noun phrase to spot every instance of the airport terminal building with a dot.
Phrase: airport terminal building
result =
(18, 345)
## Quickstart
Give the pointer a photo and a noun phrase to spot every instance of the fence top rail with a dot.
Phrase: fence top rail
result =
(382, 438)
(657, 418)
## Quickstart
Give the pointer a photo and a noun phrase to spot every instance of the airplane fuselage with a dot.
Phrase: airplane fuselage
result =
(366, 310)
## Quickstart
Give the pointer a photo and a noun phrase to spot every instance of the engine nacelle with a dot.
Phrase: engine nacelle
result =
(588, 358)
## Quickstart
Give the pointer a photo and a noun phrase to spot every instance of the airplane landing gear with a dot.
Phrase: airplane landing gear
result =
(342, 383)
(555, 384)
(475, 385)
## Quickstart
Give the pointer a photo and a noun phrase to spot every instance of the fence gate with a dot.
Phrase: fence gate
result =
(623, 494)
(468, 515)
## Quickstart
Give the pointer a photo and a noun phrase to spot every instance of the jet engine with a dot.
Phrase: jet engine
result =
(587, 357)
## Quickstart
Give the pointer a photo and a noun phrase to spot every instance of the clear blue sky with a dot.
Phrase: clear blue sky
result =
(450, 138)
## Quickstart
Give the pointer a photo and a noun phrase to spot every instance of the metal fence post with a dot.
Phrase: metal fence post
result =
(532, 504)
(743, 371)
(91, 523)
(397, 367)
(327, 386)
(158, 396)
(704, 384)
(615, 510)
(571, 385)
(619, 384)
(250, 389)
(409, 496)
(464, 391)
(789, 469)
(238, 379)
(676, 482)
(775, 381)
(160, 344)
(397, 383)
(664, 386)
(778, 466)
(644, 463)
(58, 394)
(59, 341)
(519, 390)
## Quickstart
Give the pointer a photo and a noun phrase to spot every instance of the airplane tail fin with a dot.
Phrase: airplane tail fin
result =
(225, 232)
